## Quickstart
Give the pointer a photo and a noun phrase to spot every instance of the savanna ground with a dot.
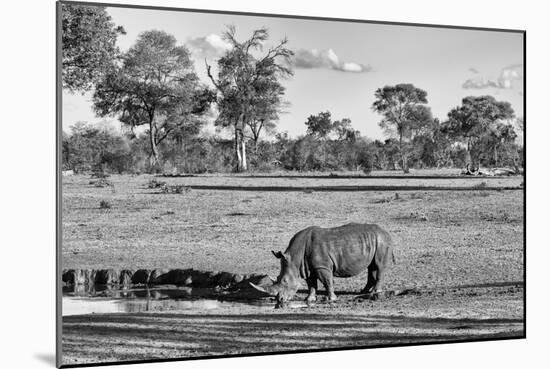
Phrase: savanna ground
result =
(461, 250)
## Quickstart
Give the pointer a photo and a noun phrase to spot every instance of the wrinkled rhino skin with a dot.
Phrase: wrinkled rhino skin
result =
(319, 254)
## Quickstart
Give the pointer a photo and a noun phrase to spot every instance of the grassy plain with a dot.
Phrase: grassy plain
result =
(463, 248)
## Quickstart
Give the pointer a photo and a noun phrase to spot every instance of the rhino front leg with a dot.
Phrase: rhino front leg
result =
(312, 285)
(325, 276)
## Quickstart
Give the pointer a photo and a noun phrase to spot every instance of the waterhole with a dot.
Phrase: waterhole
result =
(79, 300)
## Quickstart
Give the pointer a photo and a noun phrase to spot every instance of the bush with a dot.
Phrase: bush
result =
(91, 148)
(102, 151)
(175, 189)
(154, 183)
(102, 182)
(104, 204)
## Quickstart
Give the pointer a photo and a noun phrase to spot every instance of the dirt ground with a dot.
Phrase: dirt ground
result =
(459, 314)
(463, 250)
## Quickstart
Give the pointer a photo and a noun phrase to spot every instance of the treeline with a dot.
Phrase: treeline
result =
(91, 148)
(153, 89)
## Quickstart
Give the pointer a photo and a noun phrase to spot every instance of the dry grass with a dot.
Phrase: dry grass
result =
(316, 179)
(456, 247)
(474, 236)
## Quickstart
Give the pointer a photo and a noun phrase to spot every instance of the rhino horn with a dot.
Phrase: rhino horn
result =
(267, 290)
(261, 289)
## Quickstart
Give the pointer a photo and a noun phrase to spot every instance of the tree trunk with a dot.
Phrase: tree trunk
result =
(471, 157)
(244, 165)
(404, 164)
(240, 144)
(237, 149)
(154, 156)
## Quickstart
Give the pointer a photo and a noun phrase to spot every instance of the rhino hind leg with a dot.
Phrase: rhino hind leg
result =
(312, 286)
(381, 268)
(325, 276)
(375, 280)
(378, 292)
(371, 280)
(380, 264)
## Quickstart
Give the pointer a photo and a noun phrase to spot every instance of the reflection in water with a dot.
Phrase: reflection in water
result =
(84, 299)
(126, 292)
(84, 305)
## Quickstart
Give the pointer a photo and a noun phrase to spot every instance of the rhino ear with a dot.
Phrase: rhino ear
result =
(278, 254)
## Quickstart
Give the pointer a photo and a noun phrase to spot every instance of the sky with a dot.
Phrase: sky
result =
(339, 65)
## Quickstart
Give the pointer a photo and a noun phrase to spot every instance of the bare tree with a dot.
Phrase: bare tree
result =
(240, 77)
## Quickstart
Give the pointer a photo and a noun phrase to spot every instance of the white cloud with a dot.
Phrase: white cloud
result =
(309, 59)
(211, 46)
(479, 83)
(508, 78)
(511, 74)
(218, 43)
(352, 67)
(331, 55)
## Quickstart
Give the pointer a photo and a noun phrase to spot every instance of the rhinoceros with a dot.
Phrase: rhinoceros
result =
(323, 253)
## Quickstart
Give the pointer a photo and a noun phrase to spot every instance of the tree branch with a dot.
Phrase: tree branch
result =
(211, 77)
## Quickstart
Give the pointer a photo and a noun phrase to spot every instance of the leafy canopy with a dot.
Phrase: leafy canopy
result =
(476, 116)
(248, 80)
(156, 86)
(319, 125)
(403, 108)
(88, 45)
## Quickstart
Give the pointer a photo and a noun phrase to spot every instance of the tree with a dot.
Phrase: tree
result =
(498, 146)
(389, 153)
(95, 148)
(442, 145)
(405, 113)
(156, 86)
(241, 76)
(319, 125)
(345, 131)
(88, 42)
(268, 104)
(471, 121)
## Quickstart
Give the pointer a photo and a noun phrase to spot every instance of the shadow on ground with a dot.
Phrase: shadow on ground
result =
(113, 337)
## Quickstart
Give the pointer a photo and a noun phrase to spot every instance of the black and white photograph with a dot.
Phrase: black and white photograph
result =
(238, 184)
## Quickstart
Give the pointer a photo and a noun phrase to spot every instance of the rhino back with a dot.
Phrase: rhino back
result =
(347, 250)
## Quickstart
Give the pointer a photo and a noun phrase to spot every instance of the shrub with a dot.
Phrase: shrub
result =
(175, 189)
(102, 182)
(154, 183)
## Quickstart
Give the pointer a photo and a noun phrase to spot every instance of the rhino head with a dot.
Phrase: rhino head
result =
(286, 285)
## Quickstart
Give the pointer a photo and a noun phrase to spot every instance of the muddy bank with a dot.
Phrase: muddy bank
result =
(178, 277)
